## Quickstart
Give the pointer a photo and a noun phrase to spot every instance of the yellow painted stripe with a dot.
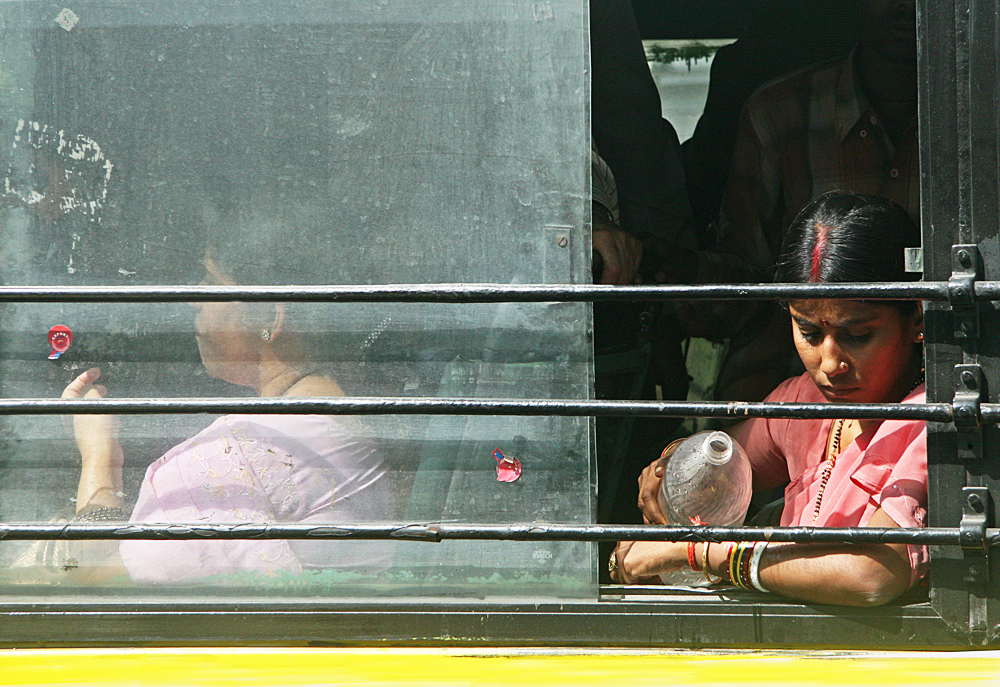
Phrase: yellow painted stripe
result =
(259, 667)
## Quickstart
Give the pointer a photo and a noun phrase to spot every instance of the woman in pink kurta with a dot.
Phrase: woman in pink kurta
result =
(883, 468)
(247, 469)
(839, 473)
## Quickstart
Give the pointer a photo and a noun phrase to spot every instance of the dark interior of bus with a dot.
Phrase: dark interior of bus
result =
(691, 19)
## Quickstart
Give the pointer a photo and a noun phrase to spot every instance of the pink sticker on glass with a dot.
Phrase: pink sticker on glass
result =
(60, 339)
(508, 469)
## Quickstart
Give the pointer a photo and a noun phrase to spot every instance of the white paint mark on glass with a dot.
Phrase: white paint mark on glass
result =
(67, 19)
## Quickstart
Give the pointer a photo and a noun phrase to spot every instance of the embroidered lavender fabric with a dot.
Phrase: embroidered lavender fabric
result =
(253, 468)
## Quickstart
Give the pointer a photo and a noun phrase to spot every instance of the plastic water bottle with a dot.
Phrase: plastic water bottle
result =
(706, 481)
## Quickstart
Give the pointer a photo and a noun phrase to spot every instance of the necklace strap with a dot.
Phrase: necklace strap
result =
(828, 470)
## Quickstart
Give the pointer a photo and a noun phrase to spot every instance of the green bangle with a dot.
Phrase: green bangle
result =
(737, 569)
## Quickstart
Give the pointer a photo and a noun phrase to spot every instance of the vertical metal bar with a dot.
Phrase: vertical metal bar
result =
(941, 197)
(984, 208)
(976, 513)
(959, 163)
(963, 107)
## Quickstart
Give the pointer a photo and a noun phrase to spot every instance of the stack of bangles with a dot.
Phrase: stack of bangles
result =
(743, 563)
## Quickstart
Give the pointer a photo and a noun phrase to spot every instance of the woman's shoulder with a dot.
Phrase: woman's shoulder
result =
(905, 432)
(781, 448)
(230, 432)
(253, 441)
(280, 427)
(289, 424)
(917, 395)
(308, 437)
(799, 389)
(210, 444)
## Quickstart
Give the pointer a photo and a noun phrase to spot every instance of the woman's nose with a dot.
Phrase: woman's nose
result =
(834, 361)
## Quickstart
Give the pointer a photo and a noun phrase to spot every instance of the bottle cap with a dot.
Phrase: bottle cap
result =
(718, 448)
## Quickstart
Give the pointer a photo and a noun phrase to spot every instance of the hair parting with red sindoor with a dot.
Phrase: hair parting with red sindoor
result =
(845, 237)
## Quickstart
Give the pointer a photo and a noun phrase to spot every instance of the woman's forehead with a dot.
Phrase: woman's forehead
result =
(839, 313)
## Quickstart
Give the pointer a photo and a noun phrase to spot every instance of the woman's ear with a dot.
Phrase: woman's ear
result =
(277, 325)
(918, 323)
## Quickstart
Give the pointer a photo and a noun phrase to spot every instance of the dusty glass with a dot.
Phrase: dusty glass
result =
(316, 142)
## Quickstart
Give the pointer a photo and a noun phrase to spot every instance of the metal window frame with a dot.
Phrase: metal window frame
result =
(960, 158)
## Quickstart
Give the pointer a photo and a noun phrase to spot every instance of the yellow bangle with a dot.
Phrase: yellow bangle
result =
(730, 560)
(704, 565)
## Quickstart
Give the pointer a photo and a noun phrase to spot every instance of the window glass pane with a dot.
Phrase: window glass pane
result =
(349, 142)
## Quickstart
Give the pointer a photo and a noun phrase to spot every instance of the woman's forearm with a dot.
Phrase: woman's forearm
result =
(847, 575)
(860, 575)
(101, 477)
(97, 440)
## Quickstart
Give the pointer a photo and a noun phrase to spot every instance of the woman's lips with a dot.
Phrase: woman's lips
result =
(839, 392)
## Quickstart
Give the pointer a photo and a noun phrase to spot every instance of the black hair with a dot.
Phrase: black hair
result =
(847, 237)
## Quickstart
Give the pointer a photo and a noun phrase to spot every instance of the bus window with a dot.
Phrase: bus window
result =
(288, 143)
(363, 143)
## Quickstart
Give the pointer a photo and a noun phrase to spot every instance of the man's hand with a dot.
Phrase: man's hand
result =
(620, 252)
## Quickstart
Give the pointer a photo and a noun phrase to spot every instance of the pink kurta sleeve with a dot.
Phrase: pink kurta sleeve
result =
(904, 495)
(762, 438)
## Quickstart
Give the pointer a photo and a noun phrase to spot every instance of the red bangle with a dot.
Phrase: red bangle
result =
(745, 565)
(692, 561)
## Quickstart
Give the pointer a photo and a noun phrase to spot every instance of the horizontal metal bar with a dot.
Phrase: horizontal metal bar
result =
(986, 290)
(482, 293)
(437, 532)
(932, 412)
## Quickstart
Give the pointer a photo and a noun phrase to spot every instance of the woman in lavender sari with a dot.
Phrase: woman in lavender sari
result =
(245, 468)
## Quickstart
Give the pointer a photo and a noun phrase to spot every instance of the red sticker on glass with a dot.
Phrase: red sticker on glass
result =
(60, 339)
(508, 469)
